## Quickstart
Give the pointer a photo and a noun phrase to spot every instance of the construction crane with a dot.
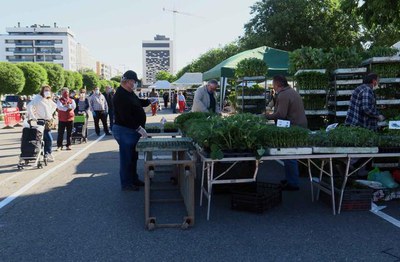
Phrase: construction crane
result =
(174, 13)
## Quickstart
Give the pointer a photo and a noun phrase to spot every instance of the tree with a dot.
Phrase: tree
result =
(12, 79)
(69, 79)
(35, 77)
(78, 80)
(291, 24)
(116, 79)
(55, 75)
(115, 83)
(164, 75)
(90, 80)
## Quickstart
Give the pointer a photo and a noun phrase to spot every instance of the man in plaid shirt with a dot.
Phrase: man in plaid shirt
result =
(362, 110)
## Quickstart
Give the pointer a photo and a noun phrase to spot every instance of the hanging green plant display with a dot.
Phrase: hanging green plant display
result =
(311, 80)
(251, 67)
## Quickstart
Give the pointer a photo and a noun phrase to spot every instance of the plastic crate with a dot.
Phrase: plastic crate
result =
(256, 197)
(355, 199)
(79, 119)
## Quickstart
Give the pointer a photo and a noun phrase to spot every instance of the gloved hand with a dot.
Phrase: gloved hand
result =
(142, 131)
(94, 114)
(381, 118)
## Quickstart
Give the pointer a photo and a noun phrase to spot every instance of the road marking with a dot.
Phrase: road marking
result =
(20, 173)
(375, 209)
(28, 186)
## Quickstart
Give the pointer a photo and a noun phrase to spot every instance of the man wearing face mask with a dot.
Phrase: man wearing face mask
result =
(98, 106)
(66, 107)
(130, 120)
(362, 111)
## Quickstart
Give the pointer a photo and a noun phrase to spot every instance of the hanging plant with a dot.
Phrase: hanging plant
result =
(251, 67)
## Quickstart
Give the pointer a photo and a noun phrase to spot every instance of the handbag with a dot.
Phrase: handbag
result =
(49, 124)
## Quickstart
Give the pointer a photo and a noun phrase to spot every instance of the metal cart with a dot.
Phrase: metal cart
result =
(183, 162)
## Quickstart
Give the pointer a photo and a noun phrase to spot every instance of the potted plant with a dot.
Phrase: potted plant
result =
(170, 127)
(153, 129)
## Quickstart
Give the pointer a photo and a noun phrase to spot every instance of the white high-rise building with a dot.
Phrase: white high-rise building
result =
(41, 43)
(157, 56)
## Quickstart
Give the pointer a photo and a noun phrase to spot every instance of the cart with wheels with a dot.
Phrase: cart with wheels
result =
(176, 153)
(32, 147)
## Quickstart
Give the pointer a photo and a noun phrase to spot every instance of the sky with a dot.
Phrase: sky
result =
(113, 31)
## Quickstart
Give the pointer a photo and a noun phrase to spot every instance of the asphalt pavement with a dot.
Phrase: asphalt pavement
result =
(73, 210)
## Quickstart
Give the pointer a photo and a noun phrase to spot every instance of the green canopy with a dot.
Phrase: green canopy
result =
(276, 60)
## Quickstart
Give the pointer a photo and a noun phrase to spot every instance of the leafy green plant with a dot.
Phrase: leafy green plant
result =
(251, 67)
(311, 80)
(170, 127)
(345, 136)
(183, 118)
(153, 129)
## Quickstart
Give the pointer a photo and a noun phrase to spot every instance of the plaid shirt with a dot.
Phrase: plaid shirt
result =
(362, 110)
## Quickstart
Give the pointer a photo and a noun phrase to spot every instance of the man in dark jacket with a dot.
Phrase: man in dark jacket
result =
(109, 94)
(130, 120)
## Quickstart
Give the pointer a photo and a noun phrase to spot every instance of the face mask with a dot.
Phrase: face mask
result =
(82, 95)
(47, 93)
(96, 92)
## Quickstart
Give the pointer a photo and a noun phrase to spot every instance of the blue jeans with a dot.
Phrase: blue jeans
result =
(48, 141)
(127, 139)
(292, 172)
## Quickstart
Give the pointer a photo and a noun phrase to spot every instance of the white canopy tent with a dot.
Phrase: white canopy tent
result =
(188, 80)
(161, 84)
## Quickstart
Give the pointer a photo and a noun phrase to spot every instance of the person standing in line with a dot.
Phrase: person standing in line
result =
(166, 99)
(362, 111)
(154, 101)
(82, 107)
(181, 102)
(130, 119)
(98, 106)
(66, 107)
(174, 100)
(288, 106)
(109, 94)
(205, 98)
(42, 109)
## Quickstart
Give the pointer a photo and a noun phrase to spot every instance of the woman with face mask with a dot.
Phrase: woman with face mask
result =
(42, 109)
(66, 107)
(82, 107)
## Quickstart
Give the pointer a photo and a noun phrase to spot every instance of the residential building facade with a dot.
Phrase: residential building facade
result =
(157, 56)
(42, 43)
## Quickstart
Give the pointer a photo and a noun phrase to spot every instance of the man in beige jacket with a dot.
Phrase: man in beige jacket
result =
(205, 98)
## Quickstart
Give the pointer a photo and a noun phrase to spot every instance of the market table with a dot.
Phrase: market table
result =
(308, 160)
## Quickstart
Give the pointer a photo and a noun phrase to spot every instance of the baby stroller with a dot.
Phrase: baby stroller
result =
(32, 147)
(79, 131)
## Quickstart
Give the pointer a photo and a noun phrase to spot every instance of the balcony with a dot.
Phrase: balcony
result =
(20, 60)
(23, 52)
(24, 43)
(45, 60)
(44, 43)
(40, 52)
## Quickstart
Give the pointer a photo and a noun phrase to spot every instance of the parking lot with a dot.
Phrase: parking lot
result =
(73, 210)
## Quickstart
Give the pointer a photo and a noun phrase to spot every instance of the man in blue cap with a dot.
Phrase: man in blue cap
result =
(130, 119)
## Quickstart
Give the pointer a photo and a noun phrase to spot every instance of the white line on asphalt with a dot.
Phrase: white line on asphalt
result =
(28, 186)
(377, 211)
(20, 173)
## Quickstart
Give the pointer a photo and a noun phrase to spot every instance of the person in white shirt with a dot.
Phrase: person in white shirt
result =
(42, 109)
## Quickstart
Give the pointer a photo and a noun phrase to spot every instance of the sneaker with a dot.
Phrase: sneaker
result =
(50, 158)
(108, 134)
(130, 188)
(138, 183)
(288, 187)
(59, 148)
(69, 148)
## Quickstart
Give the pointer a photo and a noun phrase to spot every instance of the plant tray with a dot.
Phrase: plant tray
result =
(288, 151)
(256, 197)
(345, 150)
(164, 144)
(353, 199)
(389, 149)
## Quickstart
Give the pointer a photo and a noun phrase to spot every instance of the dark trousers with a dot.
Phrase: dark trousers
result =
(61, 129)
(111, 116)
(173, 106)
(100, 115)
